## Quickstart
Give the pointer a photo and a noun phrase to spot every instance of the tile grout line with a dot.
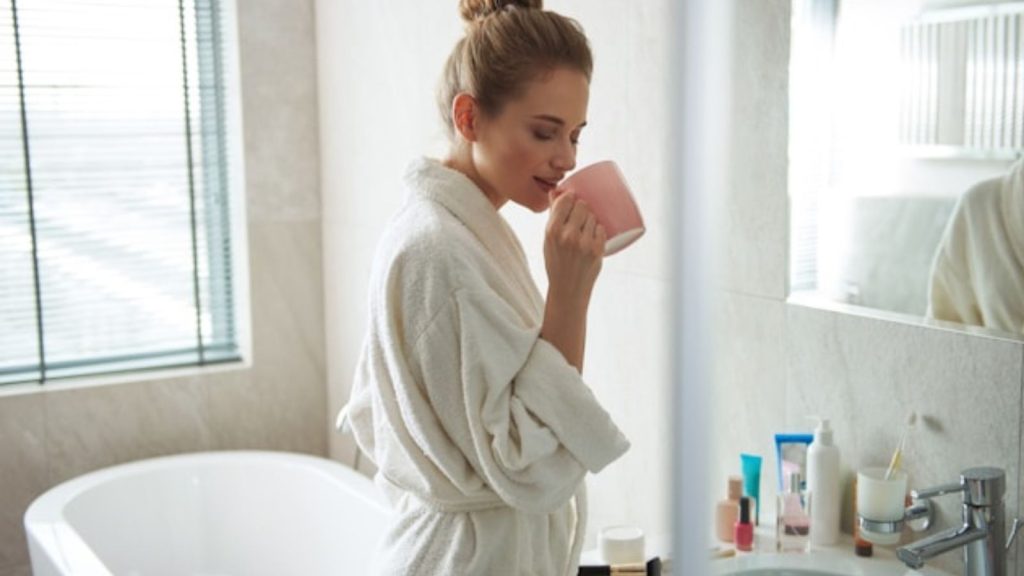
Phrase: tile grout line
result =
(47, 443)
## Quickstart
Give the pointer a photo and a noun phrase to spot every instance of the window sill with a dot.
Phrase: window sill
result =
(124, 378)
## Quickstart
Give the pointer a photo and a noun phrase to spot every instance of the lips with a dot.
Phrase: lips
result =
(545, 184)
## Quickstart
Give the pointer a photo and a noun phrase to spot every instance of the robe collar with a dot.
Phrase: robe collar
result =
(429, 179)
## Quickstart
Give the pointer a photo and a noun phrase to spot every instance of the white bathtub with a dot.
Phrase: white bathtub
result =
(209, 513)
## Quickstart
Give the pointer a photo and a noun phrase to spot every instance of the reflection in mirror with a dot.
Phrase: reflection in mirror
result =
(906, 126)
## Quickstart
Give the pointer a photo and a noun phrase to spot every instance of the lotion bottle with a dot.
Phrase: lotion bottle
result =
(823, 485)
(727, 512)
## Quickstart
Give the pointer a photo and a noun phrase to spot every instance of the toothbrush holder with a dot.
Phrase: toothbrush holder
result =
(881, 511)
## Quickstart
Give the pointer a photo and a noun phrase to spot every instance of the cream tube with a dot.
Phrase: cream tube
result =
(752, 482)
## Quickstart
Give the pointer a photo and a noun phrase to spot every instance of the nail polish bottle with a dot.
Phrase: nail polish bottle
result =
(743, 532)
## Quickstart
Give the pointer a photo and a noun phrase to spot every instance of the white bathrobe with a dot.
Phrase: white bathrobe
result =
(482, 431)
(978, 273)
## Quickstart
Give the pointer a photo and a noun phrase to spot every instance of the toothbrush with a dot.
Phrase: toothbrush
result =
(897, 456)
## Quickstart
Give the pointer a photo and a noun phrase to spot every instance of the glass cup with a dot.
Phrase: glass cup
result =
(881, 500)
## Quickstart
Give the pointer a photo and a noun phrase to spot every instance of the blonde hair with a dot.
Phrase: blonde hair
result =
(508, 43)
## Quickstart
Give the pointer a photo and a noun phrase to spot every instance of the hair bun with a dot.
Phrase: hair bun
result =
(472, 10)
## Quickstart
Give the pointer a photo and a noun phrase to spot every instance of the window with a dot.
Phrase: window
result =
(115, 244)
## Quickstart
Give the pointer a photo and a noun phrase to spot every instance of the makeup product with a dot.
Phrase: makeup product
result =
(744, 530)
(793, 520)
(823, 485)
(728, 511)
(790, 456)
(621, 545)
(653, 567)
(719, 553)
(752, 482)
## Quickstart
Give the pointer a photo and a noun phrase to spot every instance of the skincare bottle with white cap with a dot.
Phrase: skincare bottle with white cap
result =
(823, 485)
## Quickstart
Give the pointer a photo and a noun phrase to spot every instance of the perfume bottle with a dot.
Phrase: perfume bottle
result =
(793, 524)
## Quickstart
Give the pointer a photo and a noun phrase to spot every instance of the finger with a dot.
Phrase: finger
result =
(587, 233)
(601, 238)
(588, 226)
(579, 214)
(555, 193)
(561, 207)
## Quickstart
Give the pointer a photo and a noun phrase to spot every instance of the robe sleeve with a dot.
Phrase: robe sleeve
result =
(951, 294)
(518, 411)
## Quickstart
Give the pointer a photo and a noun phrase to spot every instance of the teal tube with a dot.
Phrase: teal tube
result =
(752, 482)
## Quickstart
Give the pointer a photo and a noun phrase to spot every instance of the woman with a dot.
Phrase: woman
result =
(978, 272)
(468, 395)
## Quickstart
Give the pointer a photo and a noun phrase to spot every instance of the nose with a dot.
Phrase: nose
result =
(565, 158)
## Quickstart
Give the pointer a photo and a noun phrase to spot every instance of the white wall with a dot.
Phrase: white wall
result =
(378, 66)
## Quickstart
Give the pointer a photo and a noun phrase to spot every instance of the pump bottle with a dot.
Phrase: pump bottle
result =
(823, 485)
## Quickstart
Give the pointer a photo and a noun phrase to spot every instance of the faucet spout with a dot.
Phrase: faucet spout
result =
(980, 535)
(914, 555)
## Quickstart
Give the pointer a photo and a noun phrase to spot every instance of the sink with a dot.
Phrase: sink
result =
(784, 572)
(821, 561)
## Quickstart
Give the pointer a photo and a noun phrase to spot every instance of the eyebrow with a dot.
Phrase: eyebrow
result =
(555, 119)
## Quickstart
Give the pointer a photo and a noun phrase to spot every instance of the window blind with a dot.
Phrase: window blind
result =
(115, 249)
(964, 84)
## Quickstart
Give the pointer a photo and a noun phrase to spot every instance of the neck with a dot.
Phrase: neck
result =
(461, 160)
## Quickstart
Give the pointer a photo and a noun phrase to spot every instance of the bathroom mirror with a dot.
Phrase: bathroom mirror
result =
(897, 108)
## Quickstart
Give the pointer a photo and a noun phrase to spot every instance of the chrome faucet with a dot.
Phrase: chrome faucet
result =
(982, 532)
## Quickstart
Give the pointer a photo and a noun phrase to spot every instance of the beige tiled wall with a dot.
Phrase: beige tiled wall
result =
(867, 375)
(778, 362)
(47, 437)
(749, 392)
(23, 473)
(753, 244)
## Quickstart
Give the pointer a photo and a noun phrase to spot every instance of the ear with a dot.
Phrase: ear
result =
(465, 116)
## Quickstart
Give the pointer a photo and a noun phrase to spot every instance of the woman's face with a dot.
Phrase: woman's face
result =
(524, 151)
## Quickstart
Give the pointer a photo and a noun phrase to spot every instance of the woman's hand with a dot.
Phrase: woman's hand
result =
(573, 248)
(573, 253)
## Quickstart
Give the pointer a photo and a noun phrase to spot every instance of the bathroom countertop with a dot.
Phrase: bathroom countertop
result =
(837, 559)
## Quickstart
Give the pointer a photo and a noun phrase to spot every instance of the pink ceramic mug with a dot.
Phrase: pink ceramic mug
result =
(604, 189)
